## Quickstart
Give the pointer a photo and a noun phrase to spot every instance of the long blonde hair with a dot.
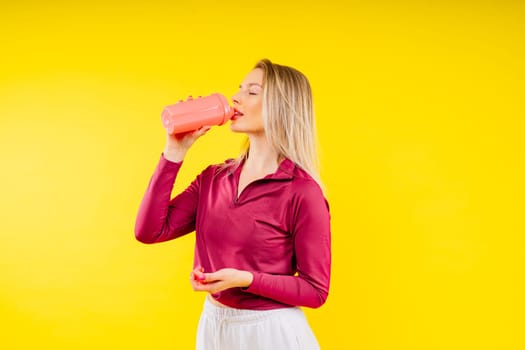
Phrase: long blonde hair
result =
(288, 114)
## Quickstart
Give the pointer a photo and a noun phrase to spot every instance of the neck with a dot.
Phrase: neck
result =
(262, 157)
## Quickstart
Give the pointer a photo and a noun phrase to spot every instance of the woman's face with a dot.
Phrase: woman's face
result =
(247, 103)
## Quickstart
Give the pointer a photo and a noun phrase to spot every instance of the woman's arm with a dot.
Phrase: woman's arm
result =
(160, 218)
(312, 247)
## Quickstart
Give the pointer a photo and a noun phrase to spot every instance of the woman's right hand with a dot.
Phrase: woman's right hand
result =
(177, 145)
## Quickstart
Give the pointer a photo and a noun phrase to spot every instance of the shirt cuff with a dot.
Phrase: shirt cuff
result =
(254, 287)
(168, 163)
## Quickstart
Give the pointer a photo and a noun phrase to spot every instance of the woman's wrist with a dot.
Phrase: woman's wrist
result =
(247, 279)
(174, 155)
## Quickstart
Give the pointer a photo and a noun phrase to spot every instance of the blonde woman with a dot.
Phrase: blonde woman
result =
(262, 222)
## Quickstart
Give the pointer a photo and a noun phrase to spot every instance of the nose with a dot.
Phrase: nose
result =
(235, 98)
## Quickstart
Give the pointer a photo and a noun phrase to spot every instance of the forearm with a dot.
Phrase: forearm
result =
(174, 154)
(291, 290)
(152, 224)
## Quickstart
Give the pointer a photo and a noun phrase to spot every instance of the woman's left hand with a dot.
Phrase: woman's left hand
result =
(219, 280)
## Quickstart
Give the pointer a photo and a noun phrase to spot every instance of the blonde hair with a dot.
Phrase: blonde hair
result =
(288, 114)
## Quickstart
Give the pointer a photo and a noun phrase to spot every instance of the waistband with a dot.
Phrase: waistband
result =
(233, 315)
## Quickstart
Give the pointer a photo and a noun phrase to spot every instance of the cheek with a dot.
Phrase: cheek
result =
(255, 104)
(256, 113)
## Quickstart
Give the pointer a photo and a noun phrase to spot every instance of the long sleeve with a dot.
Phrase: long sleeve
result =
(160, 218)
(312, 250)
(278, 229)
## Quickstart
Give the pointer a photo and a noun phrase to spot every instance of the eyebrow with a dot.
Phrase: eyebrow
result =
(252, 84)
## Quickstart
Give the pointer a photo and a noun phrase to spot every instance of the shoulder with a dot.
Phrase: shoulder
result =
(306, 189)
(224, 168)
(309, 209)
(304, 183)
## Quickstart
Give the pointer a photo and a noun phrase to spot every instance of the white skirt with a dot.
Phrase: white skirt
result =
(226, 328)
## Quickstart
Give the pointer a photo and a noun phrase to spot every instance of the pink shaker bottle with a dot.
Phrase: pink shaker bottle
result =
(191, 114)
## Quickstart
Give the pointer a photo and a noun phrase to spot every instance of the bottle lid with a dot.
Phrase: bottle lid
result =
(227, 109)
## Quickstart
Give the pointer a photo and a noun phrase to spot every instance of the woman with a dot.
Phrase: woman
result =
(262, 223)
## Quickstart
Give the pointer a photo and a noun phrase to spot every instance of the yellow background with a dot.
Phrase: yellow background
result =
(420, 116)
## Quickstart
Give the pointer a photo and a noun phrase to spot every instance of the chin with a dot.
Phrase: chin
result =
(247, 128)
(235, 127)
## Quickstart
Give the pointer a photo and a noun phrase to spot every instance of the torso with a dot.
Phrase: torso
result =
(245, 180)
(246, 177)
